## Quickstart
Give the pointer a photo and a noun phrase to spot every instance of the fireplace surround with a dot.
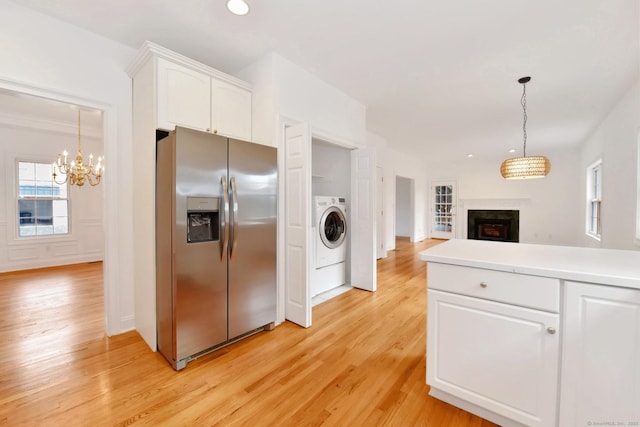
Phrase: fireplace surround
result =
(491, 224)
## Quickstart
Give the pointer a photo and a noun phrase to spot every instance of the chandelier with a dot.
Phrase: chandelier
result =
(77, 172)
(525, 167)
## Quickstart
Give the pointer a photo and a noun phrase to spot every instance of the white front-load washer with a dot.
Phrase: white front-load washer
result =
(330, 238)
(331, 223)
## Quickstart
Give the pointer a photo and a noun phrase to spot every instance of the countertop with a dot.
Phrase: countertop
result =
(592, 265)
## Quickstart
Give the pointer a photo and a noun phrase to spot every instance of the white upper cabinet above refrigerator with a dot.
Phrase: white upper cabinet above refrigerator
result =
(184, 97)
(230, 110)
(193, 95)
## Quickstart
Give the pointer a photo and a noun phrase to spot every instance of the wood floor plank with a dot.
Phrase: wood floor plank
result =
(362, 363)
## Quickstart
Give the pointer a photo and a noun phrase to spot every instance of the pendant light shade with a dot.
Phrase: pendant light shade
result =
(525, 167)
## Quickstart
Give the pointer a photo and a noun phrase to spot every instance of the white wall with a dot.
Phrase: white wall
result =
(48, 57)
(330, 171)
(403, 207)
(283, 89)
(331, 114)
(38, 141)
(615, 142)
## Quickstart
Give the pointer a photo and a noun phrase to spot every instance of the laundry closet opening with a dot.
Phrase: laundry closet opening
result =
(330, 230)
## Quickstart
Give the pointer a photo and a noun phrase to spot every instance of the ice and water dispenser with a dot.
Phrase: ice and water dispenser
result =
(203, 220)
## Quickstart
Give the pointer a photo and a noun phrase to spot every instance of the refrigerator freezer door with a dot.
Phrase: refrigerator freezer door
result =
(252, 270)
(200, 293)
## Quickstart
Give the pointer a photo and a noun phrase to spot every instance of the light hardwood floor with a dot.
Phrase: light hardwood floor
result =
(362, 363)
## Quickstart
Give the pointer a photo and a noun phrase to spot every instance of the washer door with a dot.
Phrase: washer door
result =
(332, 227)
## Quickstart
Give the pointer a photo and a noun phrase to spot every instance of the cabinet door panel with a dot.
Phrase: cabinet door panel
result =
(601, 356)
(494, 355)
(230, 110)
(184, 97)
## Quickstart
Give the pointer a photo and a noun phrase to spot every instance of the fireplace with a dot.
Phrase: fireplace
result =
(500, 225)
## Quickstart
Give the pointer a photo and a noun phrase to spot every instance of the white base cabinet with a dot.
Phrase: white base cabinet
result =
(535, 335)
(500, 357)
(601, 356)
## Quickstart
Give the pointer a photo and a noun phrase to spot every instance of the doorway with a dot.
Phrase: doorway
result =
(34, 129)
(404, 212)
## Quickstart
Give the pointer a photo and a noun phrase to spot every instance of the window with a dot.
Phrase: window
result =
(43, 207)
(594, 199)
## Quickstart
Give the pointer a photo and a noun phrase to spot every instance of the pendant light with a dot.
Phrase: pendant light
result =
(525, 167)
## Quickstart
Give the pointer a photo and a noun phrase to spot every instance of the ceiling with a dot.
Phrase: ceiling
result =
(435, 76)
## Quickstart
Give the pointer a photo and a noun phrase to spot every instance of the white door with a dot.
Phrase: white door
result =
(443, 209)
(500, 357)
(380, 252)
(297, 224)
(363, 219)
(601, 356)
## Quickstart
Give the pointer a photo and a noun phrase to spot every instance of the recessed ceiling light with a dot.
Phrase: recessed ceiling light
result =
(513, 150)
(469, 155)
(238, 7)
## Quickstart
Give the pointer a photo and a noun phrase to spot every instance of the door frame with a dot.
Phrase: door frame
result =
(381, 250)
(284, 122)
(113, 323)
(412, 206)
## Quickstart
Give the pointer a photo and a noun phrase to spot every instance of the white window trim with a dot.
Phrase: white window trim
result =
(589, 200)
(637, 238)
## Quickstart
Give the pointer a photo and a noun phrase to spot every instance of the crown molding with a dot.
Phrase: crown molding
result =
(44, 125)
(150, 50)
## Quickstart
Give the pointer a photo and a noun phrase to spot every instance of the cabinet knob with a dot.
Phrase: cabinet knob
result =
(215, 131)
(551, 330)
(208, 129)
(483, 284)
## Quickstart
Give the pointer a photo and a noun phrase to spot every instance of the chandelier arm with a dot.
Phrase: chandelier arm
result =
(91, 182)
(66, 178)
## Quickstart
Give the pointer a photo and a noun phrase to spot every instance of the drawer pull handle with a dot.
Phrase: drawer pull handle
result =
(483, 284)
(551, 330)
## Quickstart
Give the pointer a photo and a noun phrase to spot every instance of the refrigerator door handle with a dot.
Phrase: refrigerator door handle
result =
(234, 230)
(225, 218)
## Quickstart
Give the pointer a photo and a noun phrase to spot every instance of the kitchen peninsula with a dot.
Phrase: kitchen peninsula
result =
(535, 335)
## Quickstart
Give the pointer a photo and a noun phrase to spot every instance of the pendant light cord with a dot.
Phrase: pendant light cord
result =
(523, 101)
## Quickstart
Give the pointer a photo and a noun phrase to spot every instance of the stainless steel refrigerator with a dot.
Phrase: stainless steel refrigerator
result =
(215, 242)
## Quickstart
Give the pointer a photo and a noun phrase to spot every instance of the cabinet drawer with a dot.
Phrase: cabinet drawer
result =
(542, 293)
